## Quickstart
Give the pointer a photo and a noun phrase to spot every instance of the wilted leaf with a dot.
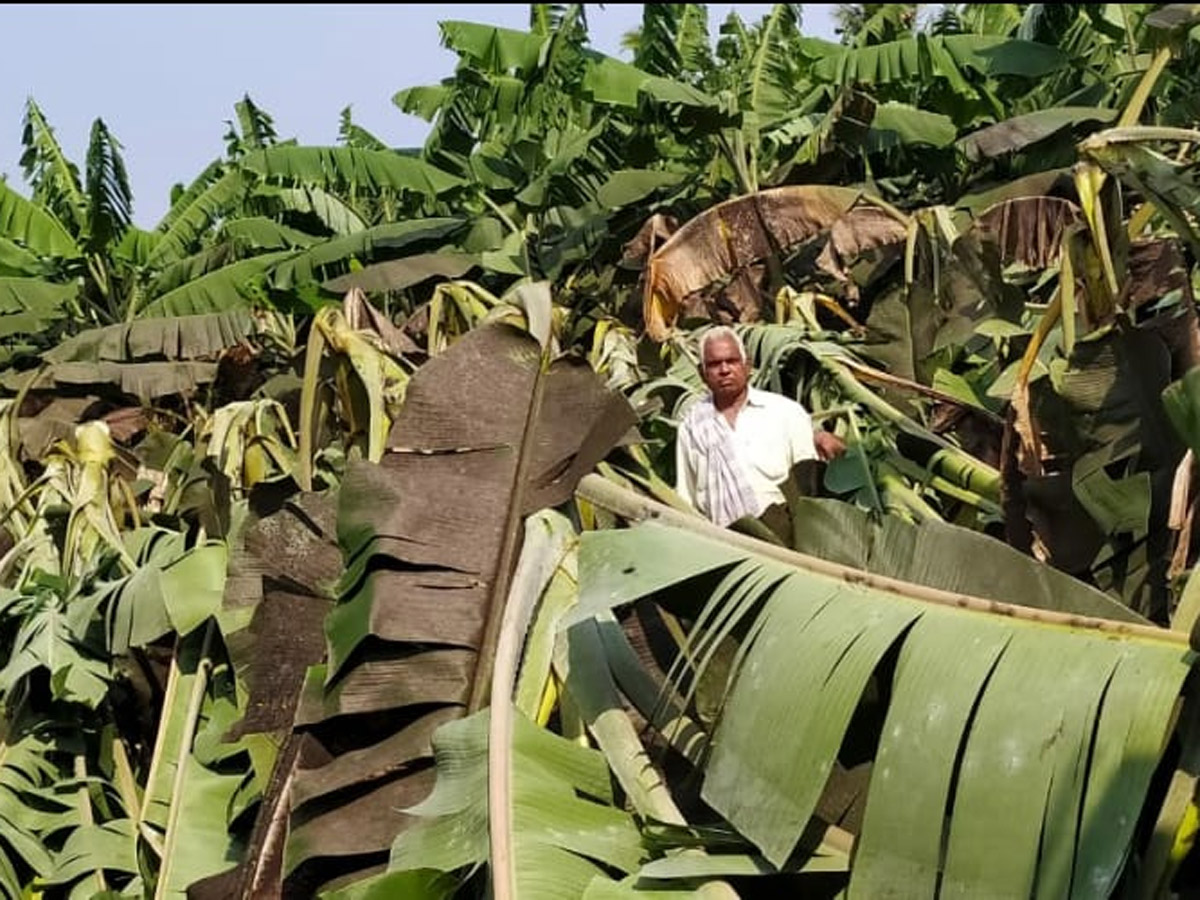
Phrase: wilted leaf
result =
(1020, 131)
(1029, 230)
(727, 238)
(425, 577)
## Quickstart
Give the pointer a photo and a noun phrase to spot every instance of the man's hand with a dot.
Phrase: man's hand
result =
(829, 445)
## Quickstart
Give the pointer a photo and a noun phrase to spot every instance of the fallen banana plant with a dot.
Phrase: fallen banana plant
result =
(1012, 747)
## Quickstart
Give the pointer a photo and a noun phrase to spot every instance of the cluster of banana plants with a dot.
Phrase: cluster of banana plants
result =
(338, 550)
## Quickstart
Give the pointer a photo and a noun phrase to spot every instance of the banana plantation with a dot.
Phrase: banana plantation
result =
(339, 551)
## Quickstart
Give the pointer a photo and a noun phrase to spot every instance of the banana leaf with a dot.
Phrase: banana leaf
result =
(372, 245)
(214, 194)
(144, 380)
(726, 238)
(564, 817)
(1011, 755)
(26, 818)
(34, 227)
(180, 337)
(940, 56)
(283, 562)
(397, 274)
(233, 287)
(27, 304)
(408, 643)
(1111, 457)
(349, 167)
(1019, 132)
(842, 533)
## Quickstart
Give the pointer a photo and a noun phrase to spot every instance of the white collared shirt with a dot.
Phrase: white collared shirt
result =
(770, 434)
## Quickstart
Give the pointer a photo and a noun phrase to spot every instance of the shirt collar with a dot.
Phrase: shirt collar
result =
(755, 397)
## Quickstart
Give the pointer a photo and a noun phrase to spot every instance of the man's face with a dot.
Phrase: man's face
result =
(724, 370)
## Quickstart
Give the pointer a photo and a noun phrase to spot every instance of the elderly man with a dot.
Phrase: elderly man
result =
(736, 447)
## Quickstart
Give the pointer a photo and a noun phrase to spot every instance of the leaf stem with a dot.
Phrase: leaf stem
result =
(636, 508)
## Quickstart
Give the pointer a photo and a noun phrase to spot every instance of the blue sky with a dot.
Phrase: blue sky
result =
(165, 77)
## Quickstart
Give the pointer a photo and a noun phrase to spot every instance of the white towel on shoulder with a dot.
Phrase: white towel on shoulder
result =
(729, 493)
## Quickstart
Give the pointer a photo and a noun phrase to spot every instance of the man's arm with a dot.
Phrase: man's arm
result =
(801, 442)
(809, 441)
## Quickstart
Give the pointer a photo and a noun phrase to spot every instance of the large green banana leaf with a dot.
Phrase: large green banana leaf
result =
(231, 287)
(843, 533)
(28, 305)
(316, 264)
(1011, 756)
(204, 203)
(350, 168)
(946, 57)
(32, 226)
(563, 812)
